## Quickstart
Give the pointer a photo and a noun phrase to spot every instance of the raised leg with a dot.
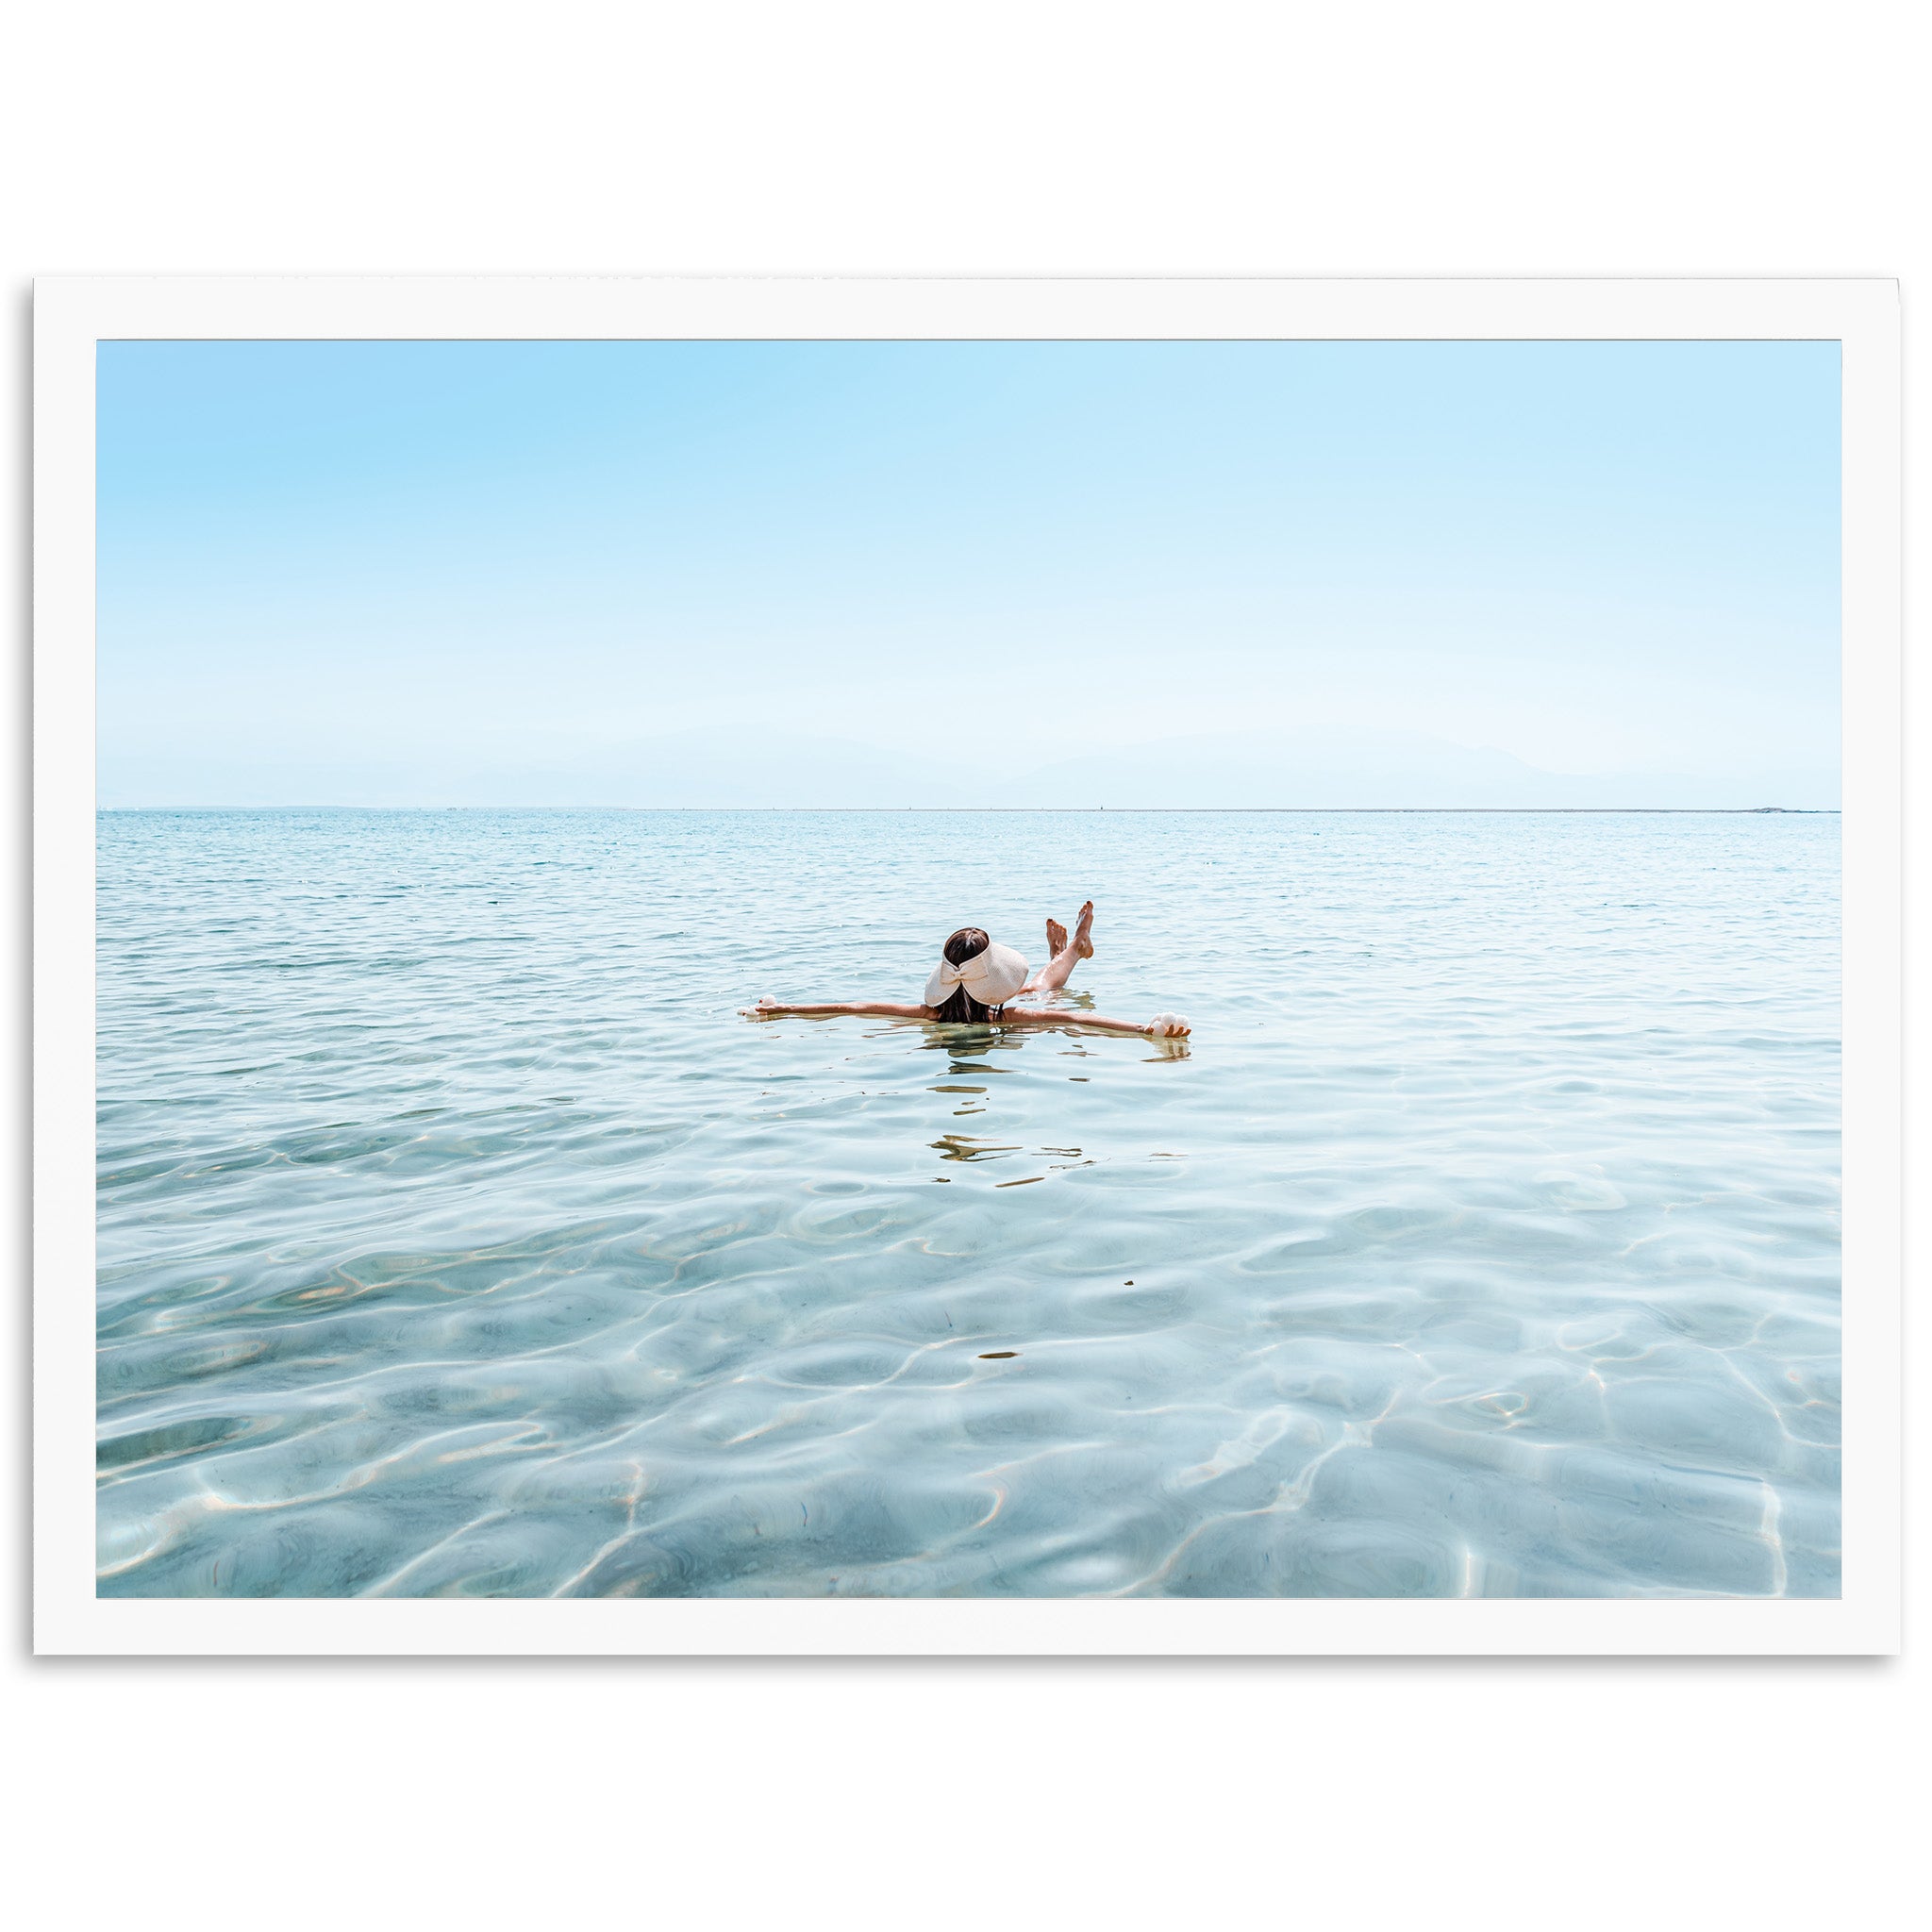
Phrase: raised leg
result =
(1067, 953)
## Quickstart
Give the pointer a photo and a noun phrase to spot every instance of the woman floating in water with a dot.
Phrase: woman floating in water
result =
(976, 979)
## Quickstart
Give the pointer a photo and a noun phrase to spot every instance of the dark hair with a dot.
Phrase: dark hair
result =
(967, 943)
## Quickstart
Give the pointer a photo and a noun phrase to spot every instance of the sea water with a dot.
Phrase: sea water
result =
(457, 1237)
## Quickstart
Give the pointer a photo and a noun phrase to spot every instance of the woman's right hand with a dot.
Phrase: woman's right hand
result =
(1169, 1027)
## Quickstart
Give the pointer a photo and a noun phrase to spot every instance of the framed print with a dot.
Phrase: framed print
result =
(966, 966)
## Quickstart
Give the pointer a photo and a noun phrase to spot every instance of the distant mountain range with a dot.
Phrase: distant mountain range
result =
(963, 768)
(1385, 768)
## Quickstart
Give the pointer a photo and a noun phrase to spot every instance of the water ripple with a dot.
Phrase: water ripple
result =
(455, 1238)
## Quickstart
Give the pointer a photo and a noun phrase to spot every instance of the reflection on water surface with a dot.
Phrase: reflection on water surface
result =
(455, 1236)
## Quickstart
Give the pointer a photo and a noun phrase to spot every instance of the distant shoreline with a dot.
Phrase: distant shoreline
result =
(1742, 811)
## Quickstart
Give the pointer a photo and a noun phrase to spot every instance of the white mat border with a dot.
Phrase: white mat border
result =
(73, 314)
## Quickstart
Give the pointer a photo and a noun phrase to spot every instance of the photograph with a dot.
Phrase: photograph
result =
(1327, 850)
(977, 950)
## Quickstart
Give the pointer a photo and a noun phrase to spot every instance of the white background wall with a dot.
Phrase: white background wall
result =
(1683, 137)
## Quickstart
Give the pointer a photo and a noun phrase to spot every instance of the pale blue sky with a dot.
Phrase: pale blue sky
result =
(468, 572)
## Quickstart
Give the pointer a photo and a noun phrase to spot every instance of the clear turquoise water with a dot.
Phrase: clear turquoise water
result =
(455, 1236)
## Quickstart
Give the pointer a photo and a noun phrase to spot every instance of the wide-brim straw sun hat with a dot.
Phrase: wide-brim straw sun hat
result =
(991, 977)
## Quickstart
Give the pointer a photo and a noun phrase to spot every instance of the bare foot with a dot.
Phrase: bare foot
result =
(1083, 932)
(1055, 938)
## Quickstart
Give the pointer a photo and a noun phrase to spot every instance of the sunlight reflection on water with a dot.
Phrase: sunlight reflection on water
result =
(456, 1236)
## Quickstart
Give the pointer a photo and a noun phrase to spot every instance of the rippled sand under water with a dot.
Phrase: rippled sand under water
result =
(455, 1236)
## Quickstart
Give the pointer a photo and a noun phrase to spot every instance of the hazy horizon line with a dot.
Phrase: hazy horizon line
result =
(1066, 810)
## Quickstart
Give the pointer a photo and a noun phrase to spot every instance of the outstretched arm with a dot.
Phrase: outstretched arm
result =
(1162, 1026)
(766, 1009)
